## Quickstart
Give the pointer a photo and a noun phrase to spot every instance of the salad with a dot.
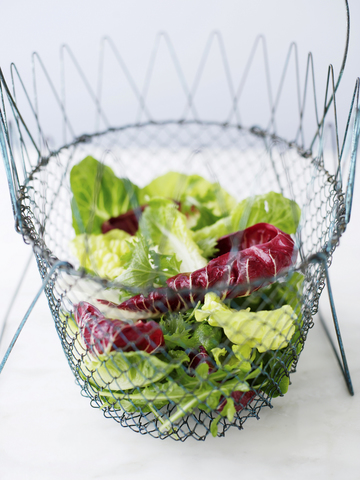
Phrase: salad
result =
(201, 307)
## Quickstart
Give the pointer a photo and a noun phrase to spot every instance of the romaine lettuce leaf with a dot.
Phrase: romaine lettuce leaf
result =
(187, 393)
(164, 226)
(190, 190)
(98, 194)
(127, 370)
(206, 237)
(271, 208)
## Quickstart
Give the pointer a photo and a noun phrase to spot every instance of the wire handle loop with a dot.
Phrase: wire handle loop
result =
(342, 68)
(6, 146)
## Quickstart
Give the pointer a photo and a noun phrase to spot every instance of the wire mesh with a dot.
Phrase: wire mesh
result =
(179, 371)
(247, 163)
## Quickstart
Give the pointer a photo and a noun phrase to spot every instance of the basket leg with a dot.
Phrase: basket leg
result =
(57, 265)
(342, 358)
(14, 297)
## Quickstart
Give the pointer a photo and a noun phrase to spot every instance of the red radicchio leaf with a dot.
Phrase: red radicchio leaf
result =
(199, 357)
(126, 221)
(129, 221)
(102, 334)
(241, 400)
(249, 259)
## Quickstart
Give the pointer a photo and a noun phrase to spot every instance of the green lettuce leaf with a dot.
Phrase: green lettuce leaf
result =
(277, 364)
(98, 194)
(268, 339)
(146, 267)
(164, 226)
(288, 291)
(271, 208)
(206, 237)
(128, 384)
(187, 393)
(264, 330)
(178, 332)
(102, 254)
(127, 370)
(229, 359)
(207, 336)
(204, 392)
(191, 190)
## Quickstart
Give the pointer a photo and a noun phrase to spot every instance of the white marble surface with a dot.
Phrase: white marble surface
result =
(48, 431)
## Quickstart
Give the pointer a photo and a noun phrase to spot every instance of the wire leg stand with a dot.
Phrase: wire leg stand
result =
(57, 265)
(342, 362)
(15, 295)
(321, 258)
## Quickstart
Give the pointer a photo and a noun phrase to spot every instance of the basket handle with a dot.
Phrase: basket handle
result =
(342, 68)
(355, 111)
(6, 153)
(349, 193)
(6, 150)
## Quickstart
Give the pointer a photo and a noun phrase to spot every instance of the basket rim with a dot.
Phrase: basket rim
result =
(31, 235)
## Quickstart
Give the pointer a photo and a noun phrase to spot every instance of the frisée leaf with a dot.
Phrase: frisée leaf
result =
(146, 267)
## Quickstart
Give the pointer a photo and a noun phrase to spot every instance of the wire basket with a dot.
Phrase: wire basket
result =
(178, 371)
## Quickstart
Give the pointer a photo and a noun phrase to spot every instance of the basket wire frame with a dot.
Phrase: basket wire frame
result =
(32, 165)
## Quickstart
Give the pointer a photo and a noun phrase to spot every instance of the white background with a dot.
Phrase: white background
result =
(47, 430)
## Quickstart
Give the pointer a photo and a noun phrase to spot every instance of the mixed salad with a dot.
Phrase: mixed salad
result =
(204, 311)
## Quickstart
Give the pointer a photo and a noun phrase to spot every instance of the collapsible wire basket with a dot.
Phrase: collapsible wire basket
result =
(179, 367)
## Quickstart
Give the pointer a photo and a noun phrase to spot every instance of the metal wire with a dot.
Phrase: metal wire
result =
(46, 223)
(245, 160)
